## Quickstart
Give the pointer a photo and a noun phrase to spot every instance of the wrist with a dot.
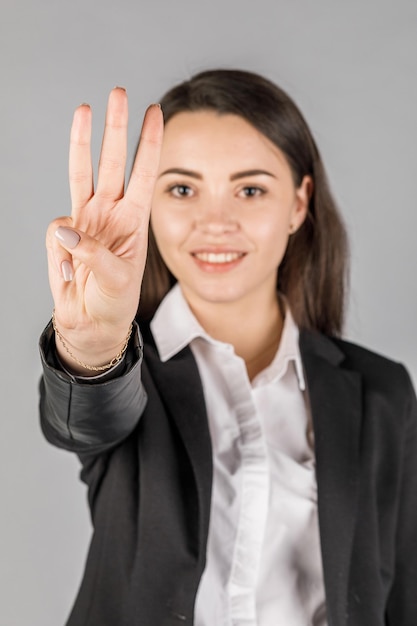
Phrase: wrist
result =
(92, 360)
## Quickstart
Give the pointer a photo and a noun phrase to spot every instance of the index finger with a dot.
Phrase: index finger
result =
(145, 168)
(80, 165)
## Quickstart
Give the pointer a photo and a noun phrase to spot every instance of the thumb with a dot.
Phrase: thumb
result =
(106, 266)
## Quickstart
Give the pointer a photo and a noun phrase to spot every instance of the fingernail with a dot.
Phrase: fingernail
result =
(67, 236)
(67, 271)
(119, 87)
(85, 104)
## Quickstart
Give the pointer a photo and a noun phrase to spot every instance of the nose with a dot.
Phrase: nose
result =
(216, 219)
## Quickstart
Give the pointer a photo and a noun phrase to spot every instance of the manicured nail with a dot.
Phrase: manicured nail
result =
(67, 236)
(67, 271)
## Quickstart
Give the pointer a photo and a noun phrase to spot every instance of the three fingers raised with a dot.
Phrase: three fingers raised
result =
(90, 236)
(112, 164)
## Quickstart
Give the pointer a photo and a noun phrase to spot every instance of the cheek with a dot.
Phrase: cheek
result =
(169, 229)
(272, 239)
(272, 232)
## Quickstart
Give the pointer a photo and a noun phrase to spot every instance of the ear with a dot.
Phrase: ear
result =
(303, 194)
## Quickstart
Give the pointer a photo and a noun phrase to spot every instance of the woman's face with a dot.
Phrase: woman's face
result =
(224, 206)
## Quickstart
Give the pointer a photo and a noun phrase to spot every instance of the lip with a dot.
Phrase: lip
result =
(217, 260)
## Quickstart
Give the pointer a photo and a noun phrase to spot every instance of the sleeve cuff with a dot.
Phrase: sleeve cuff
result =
(131, 356)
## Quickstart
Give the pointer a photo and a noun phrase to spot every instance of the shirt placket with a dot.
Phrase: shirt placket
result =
(253, 510)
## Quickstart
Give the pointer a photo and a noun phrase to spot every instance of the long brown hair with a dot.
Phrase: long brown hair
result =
(313, 272)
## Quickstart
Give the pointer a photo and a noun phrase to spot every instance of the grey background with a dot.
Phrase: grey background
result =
(352, 68)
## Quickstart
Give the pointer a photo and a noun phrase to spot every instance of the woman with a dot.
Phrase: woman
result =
(252, 468)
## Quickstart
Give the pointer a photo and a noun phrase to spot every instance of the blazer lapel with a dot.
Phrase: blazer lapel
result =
(179, 384)
(335, 398)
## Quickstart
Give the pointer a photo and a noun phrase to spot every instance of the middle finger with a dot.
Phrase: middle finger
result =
(111, 169)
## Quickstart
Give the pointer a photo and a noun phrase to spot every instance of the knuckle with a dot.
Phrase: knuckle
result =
(111, 165)
(52, 227)
(151, 140)
(107, 194)
(116, 121)
(78, 177)
(78, 141)
(143, 174)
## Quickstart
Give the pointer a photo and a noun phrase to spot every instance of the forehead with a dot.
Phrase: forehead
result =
(206, 135)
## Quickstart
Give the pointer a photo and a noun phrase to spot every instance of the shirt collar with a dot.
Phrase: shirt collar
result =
(288, 352)
(174, 327)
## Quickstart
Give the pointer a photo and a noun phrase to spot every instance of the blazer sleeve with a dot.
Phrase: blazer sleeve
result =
(90, 416)
(402, 601)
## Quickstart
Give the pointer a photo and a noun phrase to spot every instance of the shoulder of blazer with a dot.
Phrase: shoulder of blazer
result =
(374, 368)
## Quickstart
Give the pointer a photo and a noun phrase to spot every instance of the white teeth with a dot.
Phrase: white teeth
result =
(218, 257)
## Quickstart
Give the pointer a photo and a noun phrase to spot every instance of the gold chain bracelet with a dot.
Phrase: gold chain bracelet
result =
(93, 368)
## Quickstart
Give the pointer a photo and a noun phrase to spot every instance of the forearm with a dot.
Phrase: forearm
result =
(90, 415)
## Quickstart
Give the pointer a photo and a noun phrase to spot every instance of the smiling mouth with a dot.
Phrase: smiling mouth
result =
(218, 257)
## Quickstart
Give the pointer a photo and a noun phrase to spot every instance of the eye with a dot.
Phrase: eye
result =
(180, 191)
(251, 191)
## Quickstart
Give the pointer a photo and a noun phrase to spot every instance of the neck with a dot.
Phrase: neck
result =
(253, 327)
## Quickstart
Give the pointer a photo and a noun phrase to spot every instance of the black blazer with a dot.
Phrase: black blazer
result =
(146, 459)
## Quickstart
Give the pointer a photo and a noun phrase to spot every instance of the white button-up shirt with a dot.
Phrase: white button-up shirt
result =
(263, 553)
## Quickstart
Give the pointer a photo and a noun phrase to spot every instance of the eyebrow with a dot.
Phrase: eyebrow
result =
(182, 172)
(236, 176)
(248, 173)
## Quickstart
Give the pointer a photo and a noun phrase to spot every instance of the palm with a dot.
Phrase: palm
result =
(120, 231)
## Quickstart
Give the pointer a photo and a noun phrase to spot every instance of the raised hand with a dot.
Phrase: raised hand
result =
(96, 257)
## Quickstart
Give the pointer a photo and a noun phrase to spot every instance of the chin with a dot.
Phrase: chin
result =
(219, 295)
